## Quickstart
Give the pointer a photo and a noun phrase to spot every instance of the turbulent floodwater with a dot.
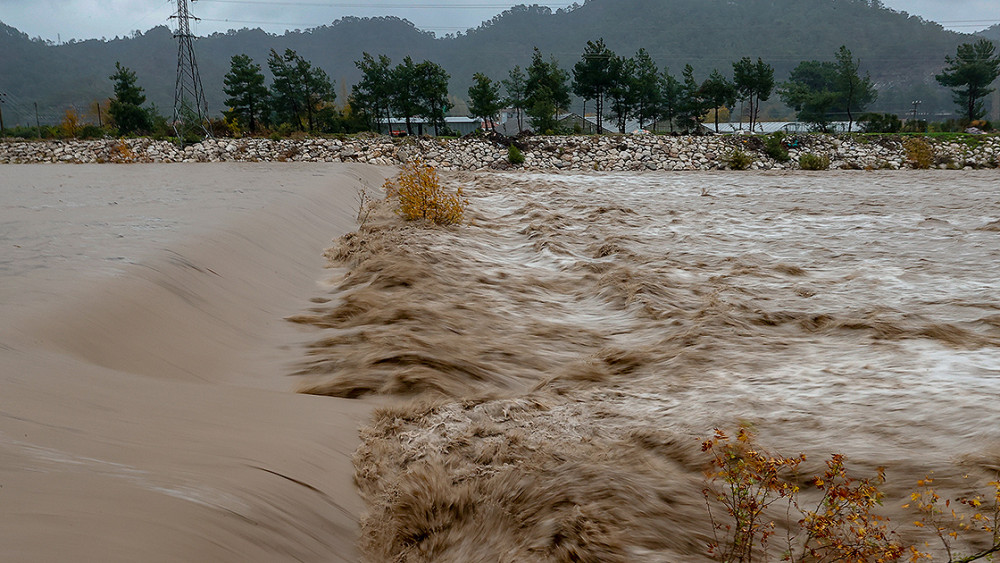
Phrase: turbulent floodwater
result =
(569, 347)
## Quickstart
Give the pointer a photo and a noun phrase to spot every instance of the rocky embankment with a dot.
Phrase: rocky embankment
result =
(634, 152)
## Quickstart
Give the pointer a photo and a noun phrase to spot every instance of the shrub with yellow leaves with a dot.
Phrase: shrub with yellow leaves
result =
(121, 152)
(421, 196)
(842, 527)
(752, 479)
(919, 152)
(979, 514)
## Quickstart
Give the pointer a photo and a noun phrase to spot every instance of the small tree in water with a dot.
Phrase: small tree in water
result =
(747, 479)
(421, 196)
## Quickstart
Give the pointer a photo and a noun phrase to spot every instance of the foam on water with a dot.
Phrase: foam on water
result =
(843, 312)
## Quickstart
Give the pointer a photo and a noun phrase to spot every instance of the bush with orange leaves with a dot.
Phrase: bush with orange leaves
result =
(746, 480)
(421, 196)
(979, 514)
(752, 479)
(844, 525)
(121, 152)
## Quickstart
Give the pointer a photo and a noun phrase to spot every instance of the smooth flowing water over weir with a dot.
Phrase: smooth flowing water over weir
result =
(578, 337)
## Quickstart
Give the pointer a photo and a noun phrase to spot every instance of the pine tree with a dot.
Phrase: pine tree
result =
(593, 76)
(969, 75)
(372, 95)
(691, 106)
(671, 94)
(299, 89)
(546, 91)
(515, 85)
(432, 93)
(126, 107)
(244, 84)
(818, 90)
(646, 96)
(718, 92)
(622, 91)
(484, 99)
(754, 84)
(811, 90)
(857, 92)
(405, 96)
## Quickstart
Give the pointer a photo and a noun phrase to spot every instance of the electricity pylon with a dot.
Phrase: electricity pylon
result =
(190, 107)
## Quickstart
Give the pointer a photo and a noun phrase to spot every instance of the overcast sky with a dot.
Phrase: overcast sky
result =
(85, 19)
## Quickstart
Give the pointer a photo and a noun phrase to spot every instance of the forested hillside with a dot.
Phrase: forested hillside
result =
(901, 52)
(992, 33)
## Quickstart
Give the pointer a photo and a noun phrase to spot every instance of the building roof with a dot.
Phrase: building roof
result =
(416, 120)
(775, 126)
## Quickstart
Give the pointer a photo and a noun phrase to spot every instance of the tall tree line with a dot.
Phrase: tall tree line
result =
(406, 91)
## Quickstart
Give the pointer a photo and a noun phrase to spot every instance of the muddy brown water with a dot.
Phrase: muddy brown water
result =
(144, 414)
(565, 351)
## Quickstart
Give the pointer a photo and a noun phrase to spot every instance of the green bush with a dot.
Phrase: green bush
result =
(515, 156)
(810, 161)
(738, 160)
(880, 123)
(90, 131)
(921, 126)
(774, 147)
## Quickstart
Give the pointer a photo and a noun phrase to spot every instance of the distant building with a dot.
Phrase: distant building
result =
(420, 126)
(576, 123)
(569, 122)
(767, 127)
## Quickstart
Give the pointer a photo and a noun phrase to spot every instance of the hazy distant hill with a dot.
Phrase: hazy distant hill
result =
(901, 52)
(992, 33)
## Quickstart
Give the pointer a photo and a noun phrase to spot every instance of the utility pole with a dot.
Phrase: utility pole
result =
(3, 95)
(38, 125)
(915, 103)
(190, 106)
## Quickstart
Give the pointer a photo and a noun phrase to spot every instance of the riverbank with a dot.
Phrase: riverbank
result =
(570, 153)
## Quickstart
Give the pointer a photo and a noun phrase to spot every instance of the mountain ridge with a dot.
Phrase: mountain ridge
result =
(902, 52)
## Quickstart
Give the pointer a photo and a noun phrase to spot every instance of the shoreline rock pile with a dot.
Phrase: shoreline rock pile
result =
(591, 153)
